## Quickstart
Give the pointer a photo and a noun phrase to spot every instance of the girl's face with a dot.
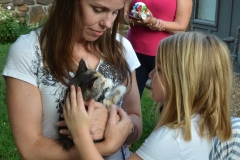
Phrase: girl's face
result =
(158, 85)
(98, 15)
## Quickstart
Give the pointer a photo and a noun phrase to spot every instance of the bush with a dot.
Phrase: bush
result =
(9, 26)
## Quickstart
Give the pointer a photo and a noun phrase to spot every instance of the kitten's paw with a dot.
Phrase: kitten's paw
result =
(120, 89)
(114, 96)
(108, 83)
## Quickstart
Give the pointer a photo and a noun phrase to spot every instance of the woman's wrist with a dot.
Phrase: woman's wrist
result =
(159, 25)
(162, 27)
(156, 21)
(133, 135)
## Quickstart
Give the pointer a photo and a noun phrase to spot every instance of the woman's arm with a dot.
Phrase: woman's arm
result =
(131, 105)
(181, 21)
(25, 115)
(127, 9)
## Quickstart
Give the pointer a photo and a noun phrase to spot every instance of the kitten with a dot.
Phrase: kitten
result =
(94, 86)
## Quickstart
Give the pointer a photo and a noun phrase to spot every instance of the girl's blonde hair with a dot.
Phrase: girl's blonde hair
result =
(198, 72)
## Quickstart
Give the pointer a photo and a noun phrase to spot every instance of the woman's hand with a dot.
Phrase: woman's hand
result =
(149, 20)
(78, 120)
(100, 117)
(117, 131)
(133, 21)
(158, 26)
(153, 23)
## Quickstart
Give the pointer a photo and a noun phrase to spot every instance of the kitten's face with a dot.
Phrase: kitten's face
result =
(92, 83)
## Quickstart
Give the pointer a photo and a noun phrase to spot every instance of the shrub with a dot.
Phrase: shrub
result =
(9, 26)
(12, 26)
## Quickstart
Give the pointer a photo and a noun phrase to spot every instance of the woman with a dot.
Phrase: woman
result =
(40, 64)
(167, 17)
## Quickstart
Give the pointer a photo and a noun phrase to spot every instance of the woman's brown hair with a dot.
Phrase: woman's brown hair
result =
(60, 32)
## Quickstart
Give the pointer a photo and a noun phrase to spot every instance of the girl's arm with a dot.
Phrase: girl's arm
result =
(25, 114)
(79, 121)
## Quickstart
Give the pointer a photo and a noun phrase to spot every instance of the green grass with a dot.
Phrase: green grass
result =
(148, 118)
(8, 149)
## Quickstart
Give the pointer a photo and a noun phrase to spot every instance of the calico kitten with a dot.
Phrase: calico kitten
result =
(94, 86)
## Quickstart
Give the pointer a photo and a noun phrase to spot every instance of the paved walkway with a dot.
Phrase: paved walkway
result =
(235, 104)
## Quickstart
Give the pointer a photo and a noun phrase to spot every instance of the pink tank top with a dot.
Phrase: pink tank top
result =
(144, 40)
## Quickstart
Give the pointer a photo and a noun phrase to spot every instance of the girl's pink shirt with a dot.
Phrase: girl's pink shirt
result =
(143, 39)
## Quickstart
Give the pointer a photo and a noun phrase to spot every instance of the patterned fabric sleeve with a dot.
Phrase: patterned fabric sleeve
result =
(228, 150)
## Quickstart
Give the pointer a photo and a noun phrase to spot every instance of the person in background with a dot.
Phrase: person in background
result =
(167, 17)
(192, 78)
(227, 149)
(41, 63)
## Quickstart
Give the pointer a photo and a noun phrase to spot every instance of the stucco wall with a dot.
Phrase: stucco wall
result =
(32, 10)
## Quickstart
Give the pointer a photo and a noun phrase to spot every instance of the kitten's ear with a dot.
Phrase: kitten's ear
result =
(82, 67)
(91, 82)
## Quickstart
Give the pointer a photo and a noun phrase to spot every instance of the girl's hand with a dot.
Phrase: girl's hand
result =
(117, 131)
(100, 117)
(78, 120)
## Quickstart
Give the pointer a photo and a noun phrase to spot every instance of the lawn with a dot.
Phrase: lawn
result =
(8, 149)
(148, 118)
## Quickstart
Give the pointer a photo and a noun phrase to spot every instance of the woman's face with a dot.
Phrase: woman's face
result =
(98, 15)
(159, 88)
